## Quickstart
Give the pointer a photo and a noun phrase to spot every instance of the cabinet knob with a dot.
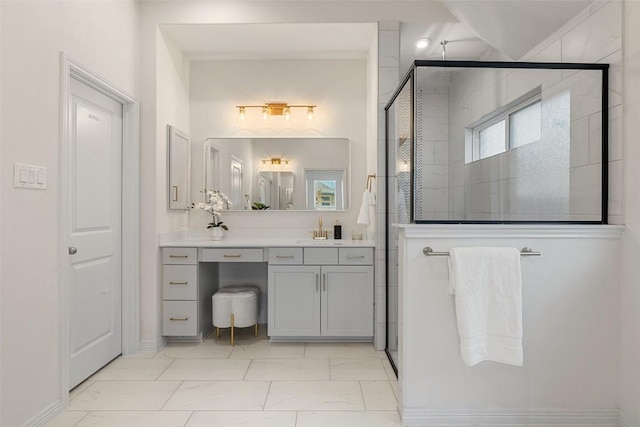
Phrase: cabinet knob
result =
(73, 250)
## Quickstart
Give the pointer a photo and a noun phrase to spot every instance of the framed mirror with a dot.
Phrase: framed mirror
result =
(280, 173)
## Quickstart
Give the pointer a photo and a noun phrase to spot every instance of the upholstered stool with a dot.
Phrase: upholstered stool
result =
(235, 307)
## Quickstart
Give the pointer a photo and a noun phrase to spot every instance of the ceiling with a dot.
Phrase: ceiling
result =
(272, 41)
(511, 27)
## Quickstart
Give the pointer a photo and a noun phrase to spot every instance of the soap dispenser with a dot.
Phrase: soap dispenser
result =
(337, 231)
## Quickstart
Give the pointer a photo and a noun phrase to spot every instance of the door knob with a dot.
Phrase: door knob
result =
(72, 250)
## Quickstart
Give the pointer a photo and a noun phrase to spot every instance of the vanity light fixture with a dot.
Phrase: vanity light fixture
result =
(275, 162)
(276, 109)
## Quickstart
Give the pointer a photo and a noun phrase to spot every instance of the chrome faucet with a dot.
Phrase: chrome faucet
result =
(320, 234)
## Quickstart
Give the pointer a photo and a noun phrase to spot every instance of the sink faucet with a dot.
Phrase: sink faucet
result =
(320, 234)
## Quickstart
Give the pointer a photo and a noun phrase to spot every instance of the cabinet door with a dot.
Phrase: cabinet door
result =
(294, 301)
(347, 301)
(178, 173)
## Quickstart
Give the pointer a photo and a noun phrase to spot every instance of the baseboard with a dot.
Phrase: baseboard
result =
(152, 346)
(44, 416)
(419, 417)
(321, 339)
(627, 420)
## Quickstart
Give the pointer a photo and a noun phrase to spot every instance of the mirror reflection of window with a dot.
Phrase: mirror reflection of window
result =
(325, 189)
(325, 195)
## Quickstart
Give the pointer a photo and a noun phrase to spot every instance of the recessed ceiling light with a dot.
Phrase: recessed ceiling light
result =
(423, 43)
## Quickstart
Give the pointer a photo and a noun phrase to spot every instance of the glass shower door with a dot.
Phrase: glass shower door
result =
(399, 122)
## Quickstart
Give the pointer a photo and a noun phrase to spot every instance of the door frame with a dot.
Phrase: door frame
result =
(130, 210)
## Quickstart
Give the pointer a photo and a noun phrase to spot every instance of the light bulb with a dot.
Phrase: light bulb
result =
(241, 112)
(286, 112)
(265, 113)
(310, 113)
(423, 43)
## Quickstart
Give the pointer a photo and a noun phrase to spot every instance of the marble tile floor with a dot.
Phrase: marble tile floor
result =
(254, 384)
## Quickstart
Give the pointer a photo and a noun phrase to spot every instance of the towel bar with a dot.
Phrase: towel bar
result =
(523, 252)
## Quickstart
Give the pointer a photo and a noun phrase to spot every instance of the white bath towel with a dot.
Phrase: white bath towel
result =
(487, 284)
(368, 200)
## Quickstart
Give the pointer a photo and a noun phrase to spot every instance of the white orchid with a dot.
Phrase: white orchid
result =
(218, 201)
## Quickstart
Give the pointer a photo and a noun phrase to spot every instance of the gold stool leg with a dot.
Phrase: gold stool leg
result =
(256, 328)
(217, 333)
(232, 338)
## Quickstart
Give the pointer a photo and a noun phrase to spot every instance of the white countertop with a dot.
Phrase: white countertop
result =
(263, 242)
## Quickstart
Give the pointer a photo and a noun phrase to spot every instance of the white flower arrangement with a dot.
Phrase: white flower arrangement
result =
(218, 201)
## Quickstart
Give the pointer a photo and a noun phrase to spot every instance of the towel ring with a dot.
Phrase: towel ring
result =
(370, 179)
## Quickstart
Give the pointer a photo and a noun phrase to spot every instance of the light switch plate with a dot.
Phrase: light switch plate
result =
(30, 176)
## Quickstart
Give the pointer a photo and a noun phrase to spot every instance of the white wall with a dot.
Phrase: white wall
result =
(1, 181)
(630, 272)
(165, 89)
(571, 336)
(172, 103)
(33, 34)
(337, 87)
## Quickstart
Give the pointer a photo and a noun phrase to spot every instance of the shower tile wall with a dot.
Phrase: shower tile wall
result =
(505, 187)
(432, 140)
(388, 80)
(594, 36)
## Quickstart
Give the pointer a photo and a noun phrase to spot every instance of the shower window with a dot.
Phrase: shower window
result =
(512, 126)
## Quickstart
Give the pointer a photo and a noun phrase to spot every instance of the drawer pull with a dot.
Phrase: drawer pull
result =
(231, 256)
(178, 256)
(355, 256)
(182, 319)
(284, 256)
(178, 283)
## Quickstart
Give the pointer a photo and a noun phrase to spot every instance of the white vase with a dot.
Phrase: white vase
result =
(217, 233)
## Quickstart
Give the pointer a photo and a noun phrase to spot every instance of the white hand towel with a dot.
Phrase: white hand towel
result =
(364, 216)
(487, 284)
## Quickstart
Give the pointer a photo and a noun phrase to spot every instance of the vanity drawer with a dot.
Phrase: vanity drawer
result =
(317, 256)
(231, 255)
(285, 255)
(180, 255)
(180, 318)
(355, 256)
(180, 282)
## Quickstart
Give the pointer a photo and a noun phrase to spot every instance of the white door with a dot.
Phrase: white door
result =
(94, 224)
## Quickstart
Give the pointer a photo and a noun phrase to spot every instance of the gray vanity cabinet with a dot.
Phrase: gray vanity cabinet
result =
(180, 292)
(186, 295)
(321, 296)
